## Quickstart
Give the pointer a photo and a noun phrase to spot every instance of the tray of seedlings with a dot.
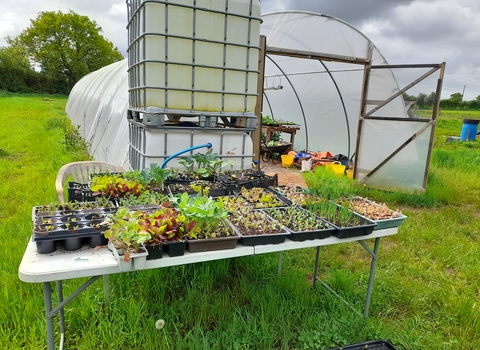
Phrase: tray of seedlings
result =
(347, 222)
(380, 213)
(199, 187)
(293, 194)
(302, 224)
(254, 226)
(68, 224)
(260, 197)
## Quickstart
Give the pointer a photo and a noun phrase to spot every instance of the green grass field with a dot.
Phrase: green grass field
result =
(425, 295)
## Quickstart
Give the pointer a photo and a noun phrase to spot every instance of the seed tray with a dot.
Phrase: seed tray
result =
(250, 180)
(61, 231)
(80, 192)
(362, 227)
(293, 195)
(300, 236)
(278, 201)
(384, 223)
(262, 239)
(370, 345)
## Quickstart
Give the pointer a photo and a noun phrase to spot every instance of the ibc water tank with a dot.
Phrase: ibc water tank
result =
(190, 57)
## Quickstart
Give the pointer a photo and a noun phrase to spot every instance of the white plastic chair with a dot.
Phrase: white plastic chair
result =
(80, 172)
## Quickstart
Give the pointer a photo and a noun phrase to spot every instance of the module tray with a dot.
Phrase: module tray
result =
(370, 345)
(300, 236)
(381, 223)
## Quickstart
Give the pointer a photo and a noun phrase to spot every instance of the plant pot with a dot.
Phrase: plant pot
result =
(97, 241)
(72, 227)
(46, 247)
(219, 243)
(92, 211)
(44, 230)
(174, 248)
(136, 259)
(139, 260)
(95, 216)
(155, 251)
(71, 244)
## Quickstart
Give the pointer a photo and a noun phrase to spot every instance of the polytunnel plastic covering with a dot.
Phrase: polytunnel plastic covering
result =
(98, 104)
(322, 97)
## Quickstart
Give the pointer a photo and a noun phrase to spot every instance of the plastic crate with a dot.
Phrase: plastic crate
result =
(370, 345)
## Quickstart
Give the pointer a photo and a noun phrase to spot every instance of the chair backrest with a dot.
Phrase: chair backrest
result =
(80, 172)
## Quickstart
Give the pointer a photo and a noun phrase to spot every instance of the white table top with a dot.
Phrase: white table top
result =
(87, 262)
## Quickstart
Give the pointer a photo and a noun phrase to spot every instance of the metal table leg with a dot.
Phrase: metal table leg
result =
(374, 255)
(373, 267)
(47, 295)
(61, 313)
(106, 290)
(50, 313)
(317, 261)
(280, 258)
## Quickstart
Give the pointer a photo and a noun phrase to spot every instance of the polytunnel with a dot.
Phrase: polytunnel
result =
(319, 72)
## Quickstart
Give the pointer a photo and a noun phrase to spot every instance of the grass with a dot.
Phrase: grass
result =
(425, 294)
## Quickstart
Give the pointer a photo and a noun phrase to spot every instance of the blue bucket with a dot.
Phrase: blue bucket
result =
(469, 130)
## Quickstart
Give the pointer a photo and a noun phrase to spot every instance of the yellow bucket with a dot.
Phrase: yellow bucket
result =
(349, 173)
(336, 167)
(287, 160)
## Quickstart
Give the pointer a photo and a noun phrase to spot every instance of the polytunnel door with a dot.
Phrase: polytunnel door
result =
(393, 149)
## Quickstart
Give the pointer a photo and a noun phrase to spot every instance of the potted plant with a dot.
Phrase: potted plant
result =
(127, 237)
(211, 230)
(152, 178)
(168, 229)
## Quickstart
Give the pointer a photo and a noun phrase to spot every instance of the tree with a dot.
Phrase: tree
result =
(15, 70)
(456, 97)
(66, 46)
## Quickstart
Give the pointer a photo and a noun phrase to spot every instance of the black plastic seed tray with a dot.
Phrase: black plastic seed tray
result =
(79, 192)
(300, 236)
(370, 345)
(249, 180)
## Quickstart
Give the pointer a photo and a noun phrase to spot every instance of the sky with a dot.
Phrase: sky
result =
(405, 31)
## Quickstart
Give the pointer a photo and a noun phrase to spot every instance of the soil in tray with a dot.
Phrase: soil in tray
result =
(255, 227)
(380, 213)
(260, 197)
(302, 224)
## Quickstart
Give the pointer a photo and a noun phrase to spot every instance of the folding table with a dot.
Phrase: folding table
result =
(94, 263)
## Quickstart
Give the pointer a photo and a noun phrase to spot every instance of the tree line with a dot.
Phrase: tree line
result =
(455, 101)
(54, 53)
(58, 49)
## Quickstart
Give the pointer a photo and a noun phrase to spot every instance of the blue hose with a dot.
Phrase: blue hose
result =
(208, 145)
